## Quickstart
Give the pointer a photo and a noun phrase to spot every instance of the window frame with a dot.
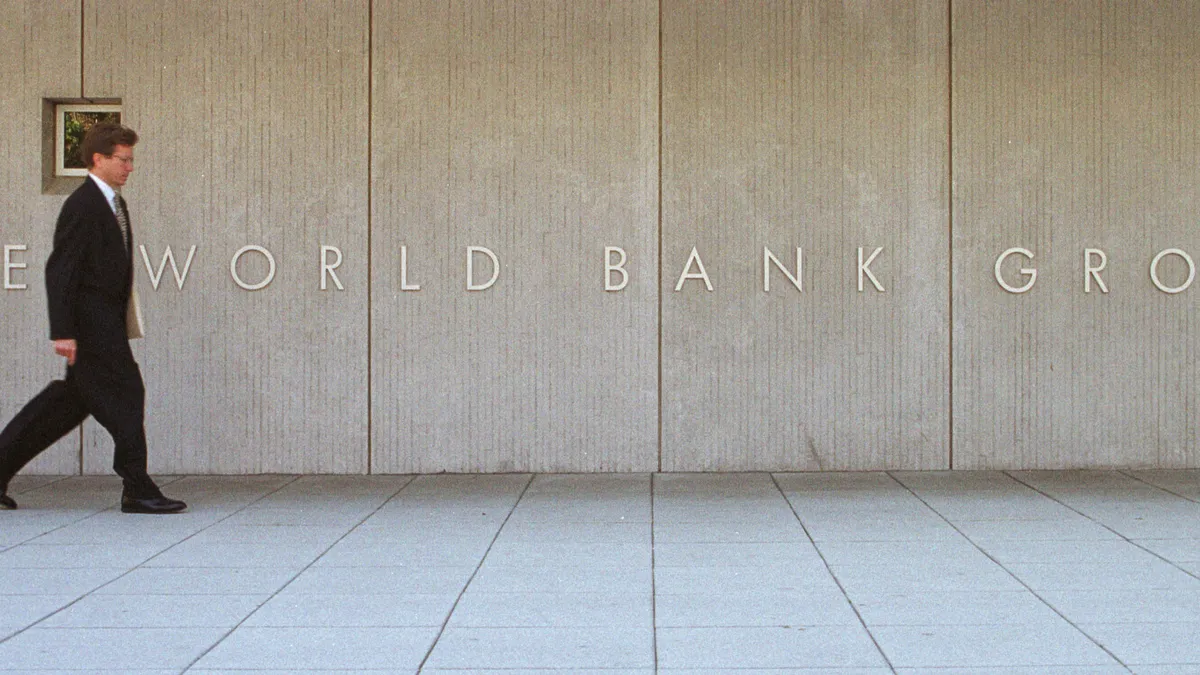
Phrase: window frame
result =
(60, 114)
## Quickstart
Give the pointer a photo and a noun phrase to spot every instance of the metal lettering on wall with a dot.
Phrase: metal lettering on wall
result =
(331, 258)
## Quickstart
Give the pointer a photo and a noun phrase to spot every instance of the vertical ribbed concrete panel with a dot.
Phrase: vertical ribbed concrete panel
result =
(530, 128)
(39, 50)
(1076, 126)
(823, 126)
(253, 118)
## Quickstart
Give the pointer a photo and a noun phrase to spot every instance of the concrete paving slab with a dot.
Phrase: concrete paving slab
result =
(893, 553)
(728, 533)
(199, 581)
(67, 556)
(767, 647)
(1154, 574)
(726, 580)
(560, 580)
(777, 513)
(282, 555)
(21, 611)
(155, 611)
(1149, 643)
(1117, 551)
(302, 671)
(932, 575)
(539, 671)
(1021, 508)
(1167, 526)
(952, 608)
(544, 647)
(114, 650)
(363, 551)
(557, 610)
(1182, 482)
(547, 511)
(989, 646)
(221, 533)
(381, 610)
(76, 671)
(837, 481)
(25, 483)
(14, 533)
(777, 671)
(809, 607)
(390, 580)
(1130, 606)
(505, 553)
(1175, 550)
(297, 648)
(581, 533)
(925, 528)
(1075, 529)
(1019, 670)
(50, 581)
(738, 554)
(282, 515)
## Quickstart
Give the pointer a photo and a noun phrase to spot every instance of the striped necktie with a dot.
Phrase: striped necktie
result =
(122, 218)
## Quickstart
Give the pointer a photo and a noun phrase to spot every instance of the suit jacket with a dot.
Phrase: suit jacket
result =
(89, 274)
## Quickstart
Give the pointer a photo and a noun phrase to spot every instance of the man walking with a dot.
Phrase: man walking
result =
(89, 280)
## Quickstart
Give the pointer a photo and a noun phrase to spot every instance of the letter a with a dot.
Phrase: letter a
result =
(688, 274)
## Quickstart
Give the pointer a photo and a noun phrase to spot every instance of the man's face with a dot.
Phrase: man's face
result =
(114, 169)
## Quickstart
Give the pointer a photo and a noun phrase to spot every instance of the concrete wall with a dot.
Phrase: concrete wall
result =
(1088, 136)
(943, 132)
(822, 126)
(531, 128)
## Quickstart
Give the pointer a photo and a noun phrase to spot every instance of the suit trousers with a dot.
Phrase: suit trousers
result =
(110, 390)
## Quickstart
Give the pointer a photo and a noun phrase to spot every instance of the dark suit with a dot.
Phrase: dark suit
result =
(89, 278)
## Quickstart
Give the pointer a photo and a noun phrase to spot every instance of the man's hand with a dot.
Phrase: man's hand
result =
(65, 348)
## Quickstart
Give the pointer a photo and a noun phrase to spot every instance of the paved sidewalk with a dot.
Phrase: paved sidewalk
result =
(1033, 572)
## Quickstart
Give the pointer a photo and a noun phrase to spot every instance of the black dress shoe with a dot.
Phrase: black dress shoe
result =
(7, 502)
(151, 505)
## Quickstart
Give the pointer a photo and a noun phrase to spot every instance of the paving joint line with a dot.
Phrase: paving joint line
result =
(52, 481)
(139, 565)
(1131, 542)
(475, 572)
(279, 590)
(891, 666)
(1008, 571)
(1158, 487)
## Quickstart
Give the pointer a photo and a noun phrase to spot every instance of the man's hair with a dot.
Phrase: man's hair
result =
(104, 137)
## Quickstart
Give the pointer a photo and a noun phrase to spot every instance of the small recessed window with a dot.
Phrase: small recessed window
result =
(71, 121)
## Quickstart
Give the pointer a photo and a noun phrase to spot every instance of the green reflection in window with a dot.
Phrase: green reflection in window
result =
(75, 125)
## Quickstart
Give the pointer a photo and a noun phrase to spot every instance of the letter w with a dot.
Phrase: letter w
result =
(156, 277)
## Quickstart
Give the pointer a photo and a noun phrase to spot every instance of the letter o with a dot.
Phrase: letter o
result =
(1186, 258)
(270, 270)
(1031, 273)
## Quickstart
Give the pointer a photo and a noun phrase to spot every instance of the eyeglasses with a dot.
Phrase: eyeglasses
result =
(127, 161)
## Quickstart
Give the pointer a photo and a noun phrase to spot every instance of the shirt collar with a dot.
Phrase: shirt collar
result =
(109, 193)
